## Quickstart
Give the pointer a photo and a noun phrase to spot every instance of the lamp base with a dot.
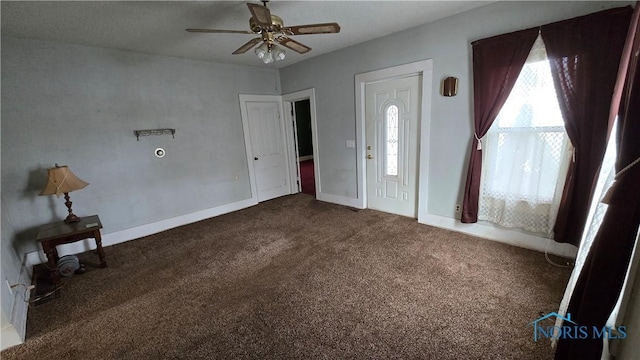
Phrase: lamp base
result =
(72, 218)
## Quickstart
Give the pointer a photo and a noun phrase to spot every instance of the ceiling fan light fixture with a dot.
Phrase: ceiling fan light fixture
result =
(269, 53)
(279, 52)
(268, 58)
(262, 51)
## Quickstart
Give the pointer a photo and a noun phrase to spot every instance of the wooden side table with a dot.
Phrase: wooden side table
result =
(60, 233)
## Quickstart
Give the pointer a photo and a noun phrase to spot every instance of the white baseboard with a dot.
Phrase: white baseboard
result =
(15, 333)
(305, 158)
(506, 236)
(21, 303)
(340, 200)
(38, 257)
(9, 337)
(511, 237)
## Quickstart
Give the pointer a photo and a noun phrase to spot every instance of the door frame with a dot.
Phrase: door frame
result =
(244, 99)
(288, 100)
(424, 68)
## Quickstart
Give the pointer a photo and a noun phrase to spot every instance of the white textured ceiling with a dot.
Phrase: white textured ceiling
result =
(158, 27)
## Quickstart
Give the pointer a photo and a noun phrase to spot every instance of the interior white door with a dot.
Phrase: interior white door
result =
(392, 115)
(268, 150)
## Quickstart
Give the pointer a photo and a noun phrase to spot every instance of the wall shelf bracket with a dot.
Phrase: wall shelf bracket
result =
(149, 132)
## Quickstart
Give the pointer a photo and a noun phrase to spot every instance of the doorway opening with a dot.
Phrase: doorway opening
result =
(300, 113)
(304, 142)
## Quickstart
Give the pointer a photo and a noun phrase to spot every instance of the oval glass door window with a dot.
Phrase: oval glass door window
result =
(391, 141)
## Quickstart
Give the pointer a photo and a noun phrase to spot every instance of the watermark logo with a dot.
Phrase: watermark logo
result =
(571, 330)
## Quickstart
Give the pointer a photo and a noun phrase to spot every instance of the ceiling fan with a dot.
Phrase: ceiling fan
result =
(271, 30)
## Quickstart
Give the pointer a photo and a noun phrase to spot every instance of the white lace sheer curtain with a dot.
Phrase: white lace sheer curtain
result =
(526, 153)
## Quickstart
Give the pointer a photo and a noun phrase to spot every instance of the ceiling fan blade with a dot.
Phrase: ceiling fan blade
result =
(260, 14)
(325, 28)
(294, 45)
(219, 31)
(243, 49)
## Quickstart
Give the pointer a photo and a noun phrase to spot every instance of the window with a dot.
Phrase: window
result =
(525, 153)
(391, 141)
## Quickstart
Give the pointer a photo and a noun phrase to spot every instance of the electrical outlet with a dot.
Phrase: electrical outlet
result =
(457, 208)
(9, 286)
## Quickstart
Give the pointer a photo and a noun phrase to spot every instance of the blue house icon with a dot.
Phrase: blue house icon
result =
(549, 315)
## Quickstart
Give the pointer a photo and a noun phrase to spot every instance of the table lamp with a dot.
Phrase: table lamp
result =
(63, 181)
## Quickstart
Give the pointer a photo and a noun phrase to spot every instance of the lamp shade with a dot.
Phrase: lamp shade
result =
(62, 180)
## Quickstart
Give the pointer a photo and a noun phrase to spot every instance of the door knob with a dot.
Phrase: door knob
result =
(369, 156)
(255, 158)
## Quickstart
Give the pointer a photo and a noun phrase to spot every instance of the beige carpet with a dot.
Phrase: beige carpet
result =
(295, 278)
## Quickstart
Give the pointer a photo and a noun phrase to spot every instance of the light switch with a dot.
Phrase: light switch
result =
(351, 143)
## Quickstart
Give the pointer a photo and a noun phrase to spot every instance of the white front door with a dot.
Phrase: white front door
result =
(392, 114)
(267, 148)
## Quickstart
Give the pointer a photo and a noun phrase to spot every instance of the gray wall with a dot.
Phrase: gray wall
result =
(78, 106)
(447, 42)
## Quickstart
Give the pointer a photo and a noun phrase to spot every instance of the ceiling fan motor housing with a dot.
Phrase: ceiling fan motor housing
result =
(276, 25)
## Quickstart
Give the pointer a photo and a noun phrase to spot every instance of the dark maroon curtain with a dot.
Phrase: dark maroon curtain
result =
(602, 277)
(584, 53)
(497, 62)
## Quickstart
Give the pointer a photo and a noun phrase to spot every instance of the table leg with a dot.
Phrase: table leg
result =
(51, 253)
(103, 261)
(56, 257)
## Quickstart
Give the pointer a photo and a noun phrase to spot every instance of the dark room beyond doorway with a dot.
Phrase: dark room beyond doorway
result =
(302, 110)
